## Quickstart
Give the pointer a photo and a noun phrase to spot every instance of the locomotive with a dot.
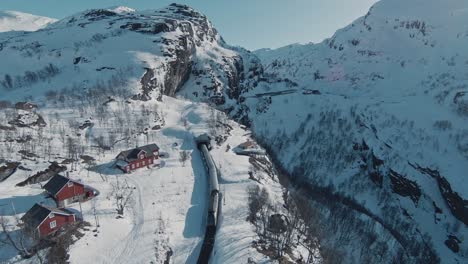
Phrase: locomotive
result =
(204, 145)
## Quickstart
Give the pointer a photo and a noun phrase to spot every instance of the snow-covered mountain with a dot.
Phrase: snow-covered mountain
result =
(156, 50)
(101, 80)
(371, 125)
(376, 118)
(19, 21)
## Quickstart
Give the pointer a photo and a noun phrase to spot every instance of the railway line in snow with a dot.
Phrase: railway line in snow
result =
(214, 212)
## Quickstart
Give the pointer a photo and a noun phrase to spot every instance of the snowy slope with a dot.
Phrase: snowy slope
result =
(100, 78)
(378, 113)
(18, 21)
(167, 212)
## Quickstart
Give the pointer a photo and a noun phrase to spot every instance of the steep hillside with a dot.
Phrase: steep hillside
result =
(18, 21)
(98, 82)
(154, 51)
(375, 118)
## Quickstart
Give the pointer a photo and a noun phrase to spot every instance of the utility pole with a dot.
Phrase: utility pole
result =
(81, 210)
(13, 207)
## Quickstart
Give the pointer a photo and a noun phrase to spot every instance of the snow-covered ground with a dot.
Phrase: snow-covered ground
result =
(168, 208)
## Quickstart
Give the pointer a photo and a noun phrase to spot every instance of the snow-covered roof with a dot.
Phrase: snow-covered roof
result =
(247, 145)
(132, 154)
(38, 213)
(121, 163)
(54, 185)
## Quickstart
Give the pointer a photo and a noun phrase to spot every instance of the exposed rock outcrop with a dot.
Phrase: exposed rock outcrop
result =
(45, 175)
(404, 187)
(8, 169)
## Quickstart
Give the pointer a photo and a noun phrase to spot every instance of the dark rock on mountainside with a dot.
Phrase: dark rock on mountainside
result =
(457, 205)
(28, 120)
(453, 242)
(150, 27)
(45, 175)
(8, 169)
(97, 14)
(7, 128)
(86, 124)
(377, 178)
(148, 83)
(404, 187)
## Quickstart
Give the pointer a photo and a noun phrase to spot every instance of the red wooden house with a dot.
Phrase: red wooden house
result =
(139, 157)
(42, 221)
(66, 191)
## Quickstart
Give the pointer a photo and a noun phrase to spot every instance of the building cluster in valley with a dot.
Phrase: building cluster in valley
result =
(42, 220)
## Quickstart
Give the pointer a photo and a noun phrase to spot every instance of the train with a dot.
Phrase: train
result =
(204, 145)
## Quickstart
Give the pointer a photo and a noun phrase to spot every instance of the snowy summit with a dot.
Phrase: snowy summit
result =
(18, 21)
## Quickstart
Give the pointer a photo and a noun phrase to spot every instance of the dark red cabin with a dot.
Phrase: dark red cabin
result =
(139, 157)
(42, 221)
(66, 191)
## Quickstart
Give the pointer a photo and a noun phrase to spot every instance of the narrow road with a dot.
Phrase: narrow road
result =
(129, 246)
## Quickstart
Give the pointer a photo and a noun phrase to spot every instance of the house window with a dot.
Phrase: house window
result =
(70, 184)
(143, 163)
(51, 215)
(53, 224)
(133, 166)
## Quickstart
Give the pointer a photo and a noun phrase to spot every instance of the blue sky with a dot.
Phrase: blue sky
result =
(252, 24)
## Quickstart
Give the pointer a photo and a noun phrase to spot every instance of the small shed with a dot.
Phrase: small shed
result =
(27, 106)
(41, 221)
(249, 144)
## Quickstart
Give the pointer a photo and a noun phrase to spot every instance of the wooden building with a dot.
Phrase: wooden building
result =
(136, 158)
(66, 191)
(41, 221)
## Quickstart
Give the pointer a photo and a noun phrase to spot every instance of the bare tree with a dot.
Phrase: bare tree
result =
(122, 194)
(102, 143)
(184, 156)
(213, 122)
(186, 123)
(19, 240)
(259, 208)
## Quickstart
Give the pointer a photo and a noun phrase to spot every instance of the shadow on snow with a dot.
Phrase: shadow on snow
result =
(196, 215)
(21, 204)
